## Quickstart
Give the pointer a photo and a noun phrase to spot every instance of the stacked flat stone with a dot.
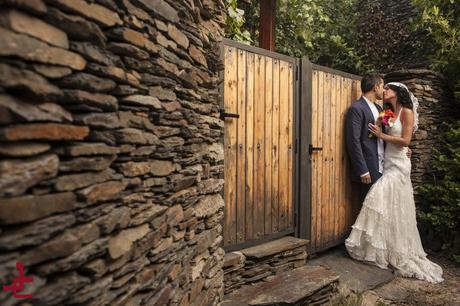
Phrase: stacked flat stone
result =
(430, 89)
(258, 263)
(386, 37)
(306, 285)
(111, 159)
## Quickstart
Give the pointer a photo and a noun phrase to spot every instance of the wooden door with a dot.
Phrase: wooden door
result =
(327, 201)
(259, 157)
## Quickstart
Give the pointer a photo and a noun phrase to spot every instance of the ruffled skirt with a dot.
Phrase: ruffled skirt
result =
(385, 233)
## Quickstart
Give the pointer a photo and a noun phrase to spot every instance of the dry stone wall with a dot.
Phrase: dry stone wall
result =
(111, 158)
(386, 35)
(260, 263)
(430, 89)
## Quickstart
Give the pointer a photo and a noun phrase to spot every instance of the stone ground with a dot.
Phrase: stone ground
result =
(359, 288)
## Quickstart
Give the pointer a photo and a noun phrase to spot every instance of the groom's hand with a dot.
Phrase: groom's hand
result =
(409, 153)
(366, 179)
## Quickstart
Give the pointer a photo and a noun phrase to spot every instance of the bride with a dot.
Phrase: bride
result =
(385, 232)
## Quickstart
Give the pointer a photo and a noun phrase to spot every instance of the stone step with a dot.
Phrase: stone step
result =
(274, 247)
(257, 263)
(307, 285)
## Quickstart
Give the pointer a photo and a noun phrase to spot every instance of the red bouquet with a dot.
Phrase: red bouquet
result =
(387, 117)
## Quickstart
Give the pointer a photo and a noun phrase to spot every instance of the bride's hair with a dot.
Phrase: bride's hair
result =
(402, 95)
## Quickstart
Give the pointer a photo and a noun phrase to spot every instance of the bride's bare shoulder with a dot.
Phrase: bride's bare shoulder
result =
(407, 110)
(407, 114)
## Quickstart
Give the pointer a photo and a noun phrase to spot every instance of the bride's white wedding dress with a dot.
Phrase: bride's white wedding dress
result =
(385, 232)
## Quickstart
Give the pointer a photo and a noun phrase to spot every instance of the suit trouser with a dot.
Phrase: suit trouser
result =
(361, 191)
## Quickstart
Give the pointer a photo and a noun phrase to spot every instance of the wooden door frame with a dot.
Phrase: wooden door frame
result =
(305, 101)
(295, 141)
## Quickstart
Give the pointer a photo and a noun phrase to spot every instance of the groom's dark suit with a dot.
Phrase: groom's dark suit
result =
(362, 149)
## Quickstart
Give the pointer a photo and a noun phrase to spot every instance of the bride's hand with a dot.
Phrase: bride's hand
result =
(376, 130)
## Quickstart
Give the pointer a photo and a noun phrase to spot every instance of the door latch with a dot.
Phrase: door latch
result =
(224, 115)
(311, 148)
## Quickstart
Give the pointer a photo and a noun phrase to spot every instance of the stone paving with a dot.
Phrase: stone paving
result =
(360, 289)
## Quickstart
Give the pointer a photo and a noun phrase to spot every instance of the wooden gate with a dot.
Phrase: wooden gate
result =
(259, 190)
(327, 203)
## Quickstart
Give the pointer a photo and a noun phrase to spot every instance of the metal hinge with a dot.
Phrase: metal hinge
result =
(296, 73)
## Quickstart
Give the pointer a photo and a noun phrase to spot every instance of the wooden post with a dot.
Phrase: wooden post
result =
(267, 24)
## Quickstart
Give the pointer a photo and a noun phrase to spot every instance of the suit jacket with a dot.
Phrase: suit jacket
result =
(362, 150)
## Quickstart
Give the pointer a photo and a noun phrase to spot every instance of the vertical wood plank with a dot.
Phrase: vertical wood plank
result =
(358, 90)
(283, 149)
(350, 200)
(313, 157)
(326, 163)
(230, 103)
(320, 154)
(249, 224)
(275, 146)
(290, 203)
(325, 206)
(340, 145)
(345, 161)
(330, 161)
(334, 136)
(342, 158)
(259, 150)
(268, 143)
(241, 149)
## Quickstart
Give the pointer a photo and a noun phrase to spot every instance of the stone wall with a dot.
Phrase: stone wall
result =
(430, 89)
(111, 156)
(259, 263)
(386, 36)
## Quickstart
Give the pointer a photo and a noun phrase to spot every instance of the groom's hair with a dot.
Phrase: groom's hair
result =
(369, 81)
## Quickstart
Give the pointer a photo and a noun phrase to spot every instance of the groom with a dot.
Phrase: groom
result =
(366, 152)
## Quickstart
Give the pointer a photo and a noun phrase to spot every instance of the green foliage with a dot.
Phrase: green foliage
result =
(440, 20)
(443, 194)
(321, 30)
(234, 24)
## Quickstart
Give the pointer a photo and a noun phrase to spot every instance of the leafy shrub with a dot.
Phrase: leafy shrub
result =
(443, 194)
(234, 23)
(439, 20)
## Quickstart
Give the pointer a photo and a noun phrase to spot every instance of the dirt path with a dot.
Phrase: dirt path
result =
(408, 292)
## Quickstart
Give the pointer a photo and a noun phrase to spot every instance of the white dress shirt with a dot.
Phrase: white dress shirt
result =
(380, 147)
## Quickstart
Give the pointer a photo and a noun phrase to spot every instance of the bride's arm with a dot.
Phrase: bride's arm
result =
(407, 121)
